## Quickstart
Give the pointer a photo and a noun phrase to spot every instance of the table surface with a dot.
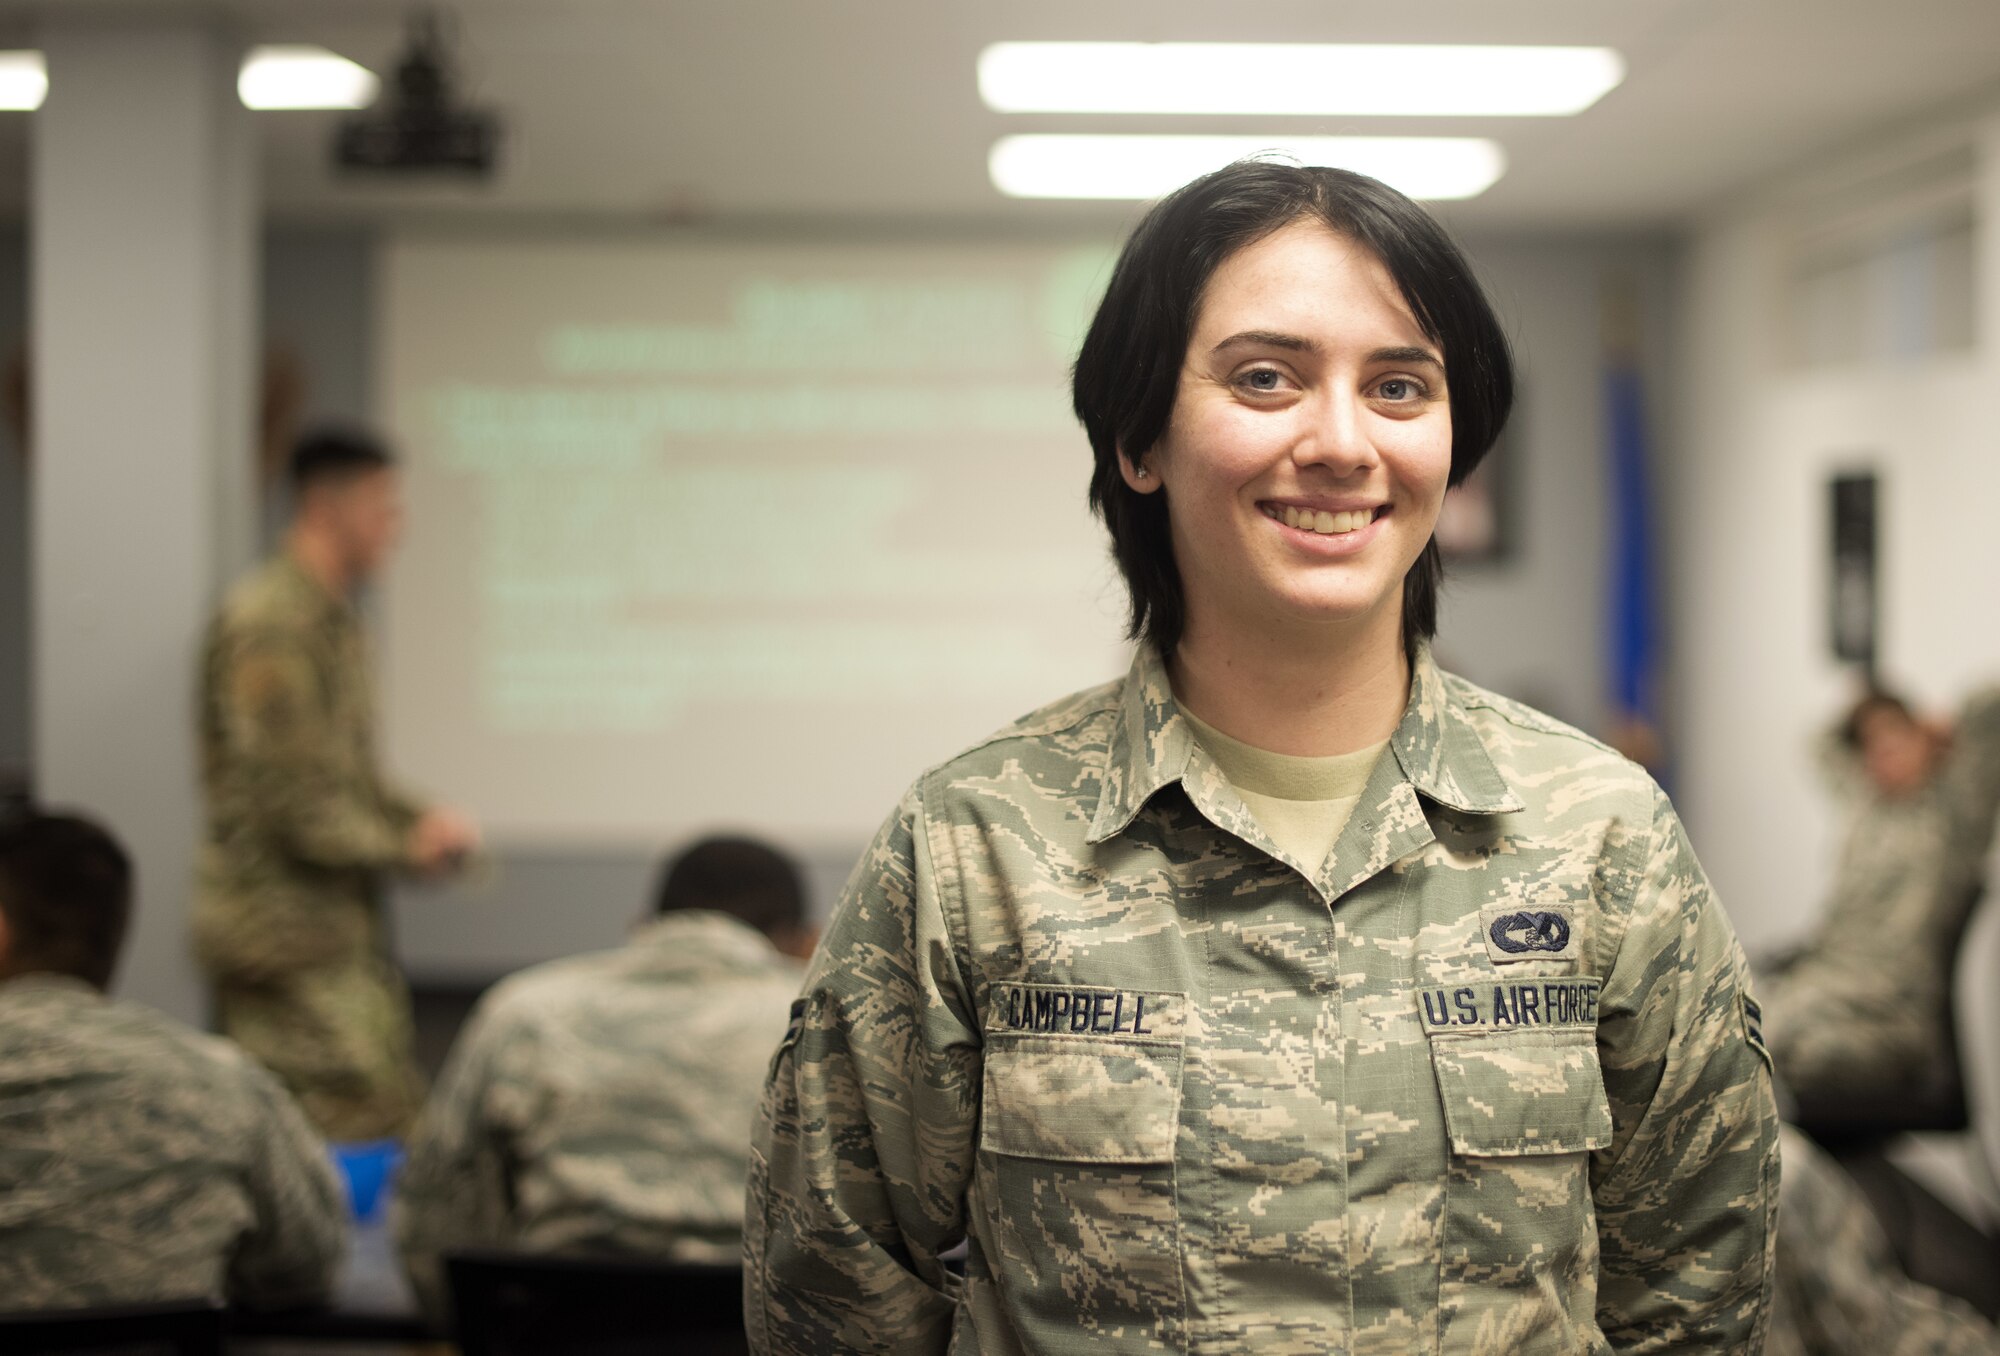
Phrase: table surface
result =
(372, 1279)
(372, 1297)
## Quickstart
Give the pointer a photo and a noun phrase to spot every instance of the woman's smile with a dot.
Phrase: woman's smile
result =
(1322, 522)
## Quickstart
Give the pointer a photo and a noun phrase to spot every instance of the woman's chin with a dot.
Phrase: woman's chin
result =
(1343, 615)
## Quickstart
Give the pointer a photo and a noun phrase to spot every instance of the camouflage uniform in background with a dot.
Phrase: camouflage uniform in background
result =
(1487, 1080)
(301, 831)
(1971, 779)
(143, 1161)
(1840, 1290)
(1864, 1012)
(602, 1104)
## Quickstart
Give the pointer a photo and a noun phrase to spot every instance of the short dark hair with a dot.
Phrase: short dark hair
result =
(742, 877)
(1128, 370)
(66, 891)
(336, 452)
(1874, 700)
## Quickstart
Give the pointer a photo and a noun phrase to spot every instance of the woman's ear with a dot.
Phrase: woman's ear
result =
(1139, 476)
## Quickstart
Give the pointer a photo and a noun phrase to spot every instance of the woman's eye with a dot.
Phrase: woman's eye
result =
(1399, 388)
(1263, 380)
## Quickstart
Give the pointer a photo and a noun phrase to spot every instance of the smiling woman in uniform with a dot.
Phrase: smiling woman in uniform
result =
(1288, 994)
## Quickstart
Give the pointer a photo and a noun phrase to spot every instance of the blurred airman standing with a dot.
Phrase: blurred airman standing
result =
(302, 827)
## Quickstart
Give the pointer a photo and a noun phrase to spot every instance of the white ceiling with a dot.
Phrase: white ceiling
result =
(866, 111)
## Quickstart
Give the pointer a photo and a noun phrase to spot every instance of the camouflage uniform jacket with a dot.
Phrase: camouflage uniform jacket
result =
(300, 822)
(1840, 1290)
(1485, 1080)
(1971, 779)
(141, 1161)
(602, 1103)
(1864, 1010)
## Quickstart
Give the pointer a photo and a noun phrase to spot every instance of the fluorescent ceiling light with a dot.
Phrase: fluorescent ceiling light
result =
(1294, 78)
(1078, 166)
(303, 77)
(24, 81)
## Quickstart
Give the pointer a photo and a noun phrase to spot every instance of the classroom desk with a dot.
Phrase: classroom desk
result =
(371, 1302)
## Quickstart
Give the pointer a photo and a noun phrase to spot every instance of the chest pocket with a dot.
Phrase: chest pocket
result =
(1081, 1099)
(1082, 1075)
(1522, 1110)
(1522, 1092)
(1077, 1209)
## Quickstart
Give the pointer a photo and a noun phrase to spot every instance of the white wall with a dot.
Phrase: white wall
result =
(316, 301)
(143, 270)
(1532, 624)
(13, 524)
(317, 307)
(1753, 671)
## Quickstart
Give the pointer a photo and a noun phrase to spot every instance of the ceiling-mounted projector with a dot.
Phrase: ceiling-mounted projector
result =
(419, 129)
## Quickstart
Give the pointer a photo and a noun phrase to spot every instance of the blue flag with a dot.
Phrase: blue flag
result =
(1632, 627)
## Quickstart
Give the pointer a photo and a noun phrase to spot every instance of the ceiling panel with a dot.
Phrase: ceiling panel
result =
(762, 110)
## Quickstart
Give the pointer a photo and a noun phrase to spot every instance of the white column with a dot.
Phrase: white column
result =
(142, 307)
(1986, 244)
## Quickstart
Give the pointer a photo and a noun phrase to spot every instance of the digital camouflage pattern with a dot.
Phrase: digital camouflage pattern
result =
(143, 1161)
(602, 1104)
(301, 829)
(1971, 780)
(1864, 1012)
(1484, 1081)
(1840, 1290)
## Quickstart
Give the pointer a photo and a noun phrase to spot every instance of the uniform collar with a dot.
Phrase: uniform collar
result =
(1441, 751)
(703, 939)
(314, 597)
(1435, 745)
(49, 981)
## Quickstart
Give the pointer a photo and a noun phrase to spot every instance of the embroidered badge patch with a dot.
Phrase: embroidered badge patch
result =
(1513, 933)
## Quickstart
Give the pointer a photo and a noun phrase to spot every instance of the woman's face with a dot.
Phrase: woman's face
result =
(1306, 456)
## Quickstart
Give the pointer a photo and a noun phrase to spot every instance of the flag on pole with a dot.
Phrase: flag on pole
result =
(1632, 629)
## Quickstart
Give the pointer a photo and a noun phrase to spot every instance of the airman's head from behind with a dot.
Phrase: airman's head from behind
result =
(750, 881)
(65, 897)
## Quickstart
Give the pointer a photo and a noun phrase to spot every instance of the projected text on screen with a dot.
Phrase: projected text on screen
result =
(706, 534)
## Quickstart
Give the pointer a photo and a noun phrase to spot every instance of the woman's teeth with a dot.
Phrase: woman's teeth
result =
(1327, 524)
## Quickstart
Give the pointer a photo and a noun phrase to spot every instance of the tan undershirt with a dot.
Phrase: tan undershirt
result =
(1302, 803)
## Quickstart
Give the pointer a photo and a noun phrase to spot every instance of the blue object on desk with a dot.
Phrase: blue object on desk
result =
(367, 1167)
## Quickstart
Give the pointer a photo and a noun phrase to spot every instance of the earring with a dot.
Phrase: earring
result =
(1141, 472)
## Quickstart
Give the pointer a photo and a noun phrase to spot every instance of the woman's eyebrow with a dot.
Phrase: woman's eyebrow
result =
(1406, 353)
(1268, 339)
(1401, 353)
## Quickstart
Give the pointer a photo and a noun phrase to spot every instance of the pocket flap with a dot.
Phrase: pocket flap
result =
(1528, 1092)
(1082, 1101)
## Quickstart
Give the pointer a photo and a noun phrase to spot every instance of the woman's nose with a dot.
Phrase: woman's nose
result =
(1335, 435)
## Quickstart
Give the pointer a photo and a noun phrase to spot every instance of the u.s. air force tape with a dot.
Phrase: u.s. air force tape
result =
(1514, 1005)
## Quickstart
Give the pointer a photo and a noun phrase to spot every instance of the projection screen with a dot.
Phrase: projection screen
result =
(710, 535)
